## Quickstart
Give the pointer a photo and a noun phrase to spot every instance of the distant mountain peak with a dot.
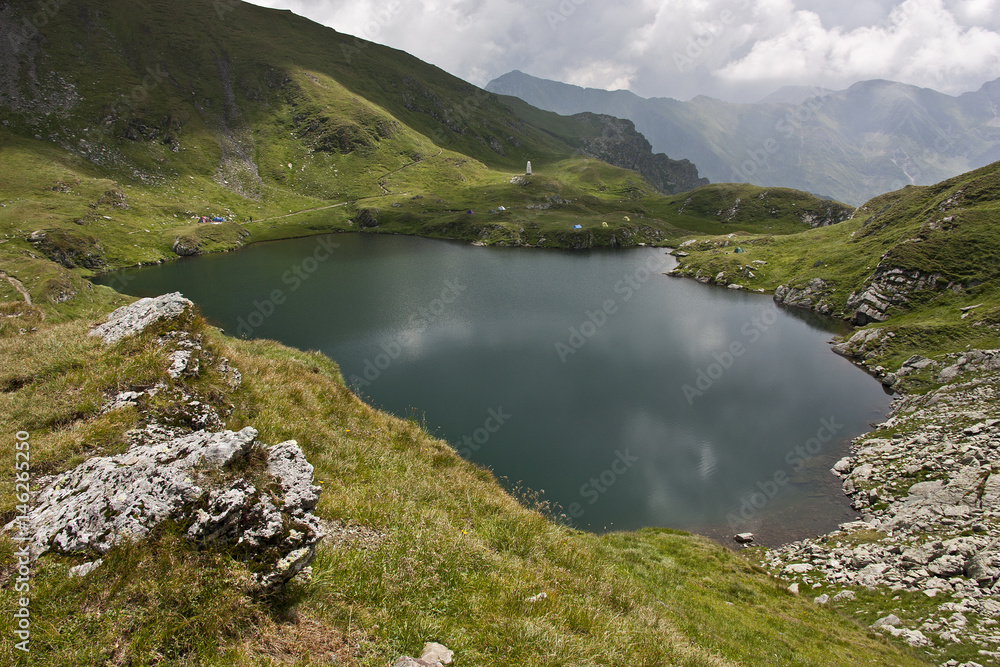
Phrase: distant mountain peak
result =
(794, 94)
(851, 144)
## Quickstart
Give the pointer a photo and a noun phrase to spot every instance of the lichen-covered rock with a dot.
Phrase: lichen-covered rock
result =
(972, 361)
(433, 655)
(136, 317)
(185, 246)
(810, 296)
(190, 480)
(889, 287)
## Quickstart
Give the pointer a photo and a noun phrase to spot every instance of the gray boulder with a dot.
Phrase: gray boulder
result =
(136, 317)
(192, 481)
(809, 296)
(433, 655)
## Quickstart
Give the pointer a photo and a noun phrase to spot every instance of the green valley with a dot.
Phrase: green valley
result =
(123, 123)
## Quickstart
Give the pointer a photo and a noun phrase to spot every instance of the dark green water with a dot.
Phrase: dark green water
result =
(632, 399)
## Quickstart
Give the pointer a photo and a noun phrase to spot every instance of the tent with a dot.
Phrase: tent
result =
(577, 226)
(218, 219)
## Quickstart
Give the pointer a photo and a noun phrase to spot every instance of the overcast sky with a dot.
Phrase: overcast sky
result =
(739, 50)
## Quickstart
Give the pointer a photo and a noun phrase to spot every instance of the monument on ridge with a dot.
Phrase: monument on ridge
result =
(527, 172)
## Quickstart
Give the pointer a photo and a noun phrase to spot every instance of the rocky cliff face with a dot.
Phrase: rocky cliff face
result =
(887, 287)
(619, 144)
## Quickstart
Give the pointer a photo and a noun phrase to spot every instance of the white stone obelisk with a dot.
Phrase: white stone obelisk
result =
(527, 172)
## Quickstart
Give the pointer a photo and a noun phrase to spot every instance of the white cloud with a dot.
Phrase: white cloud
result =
(921, 42)
(728, 48)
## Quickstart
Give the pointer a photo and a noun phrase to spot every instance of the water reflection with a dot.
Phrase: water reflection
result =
(673, 402)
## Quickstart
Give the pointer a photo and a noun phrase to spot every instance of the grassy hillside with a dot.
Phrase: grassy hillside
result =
(946, 231)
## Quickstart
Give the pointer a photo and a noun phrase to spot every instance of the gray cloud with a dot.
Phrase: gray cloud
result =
(734, 49)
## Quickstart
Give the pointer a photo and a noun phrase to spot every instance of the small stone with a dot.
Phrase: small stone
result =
(438, 653)
(744, 538)
(822, 599)
(798, 568)
(844, 595)
(85, 569)
(794, 589)
(537, 598)
(891, 620)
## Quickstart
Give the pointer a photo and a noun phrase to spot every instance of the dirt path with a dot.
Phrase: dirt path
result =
(305, 210)
(381, 183)
(16, 284)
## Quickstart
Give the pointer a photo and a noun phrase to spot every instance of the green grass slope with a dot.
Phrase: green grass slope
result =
(948, 231)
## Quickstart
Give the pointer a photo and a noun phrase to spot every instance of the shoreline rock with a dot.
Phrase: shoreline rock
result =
(927, 482)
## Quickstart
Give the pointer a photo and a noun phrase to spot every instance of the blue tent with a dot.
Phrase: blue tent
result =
(577, 226)
(218, 219)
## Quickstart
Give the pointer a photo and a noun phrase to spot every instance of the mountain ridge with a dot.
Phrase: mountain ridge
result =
(851, 145)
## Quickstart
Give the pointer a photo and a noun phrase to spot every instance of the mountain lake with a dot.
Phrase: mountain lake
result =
(627, 397)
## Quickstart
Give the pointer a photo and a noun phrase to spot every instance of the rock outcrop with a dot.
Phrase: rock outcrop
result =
(136, 317)
(927, 482)
(200, 481)
(367, 218)
(833, 214)
(811, 296)
(222, 489)
(888, 287)
(185, 246)
(619, 144)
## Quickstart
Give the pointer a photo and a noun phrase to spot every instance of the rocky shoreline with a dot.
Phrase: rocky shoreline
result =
(927, 482)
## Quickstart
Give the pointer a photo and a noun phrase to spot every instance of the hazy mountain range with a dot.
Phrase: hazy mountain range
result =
(851, 145)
